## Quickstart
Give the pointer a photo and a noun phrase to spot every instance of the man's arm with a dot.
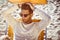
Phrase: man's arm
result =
(43, 23)
(45, 19)
(9, 18)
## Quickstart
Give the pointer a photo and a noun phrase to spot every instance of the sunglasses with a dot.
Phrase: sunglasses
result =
(25, 15)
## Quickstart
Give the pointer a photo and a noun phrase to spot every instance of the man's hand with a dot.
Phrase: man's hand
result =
(30, 4)
(5, 37)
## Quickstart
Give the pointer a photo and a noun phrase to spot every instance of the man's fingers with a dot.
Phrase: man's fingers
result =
(19, 5)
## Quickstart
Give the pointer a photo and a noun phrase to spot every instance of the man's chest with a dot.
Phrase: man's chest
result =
(30, 32)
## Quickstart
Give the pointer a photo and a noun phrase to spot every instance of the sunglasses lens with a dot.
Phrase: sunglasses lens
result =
(25, 15)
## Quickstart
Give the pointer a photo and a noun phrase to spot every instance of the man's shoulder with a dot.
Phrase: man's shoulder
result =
(33, 20)
(36, 20)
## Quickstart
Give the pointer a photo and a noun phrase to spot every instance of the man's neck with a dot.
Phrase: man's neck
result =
(29, 22)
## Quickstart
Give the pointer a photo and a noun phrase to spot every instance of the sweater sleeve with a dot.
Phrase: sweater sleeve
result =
(45, 19)
(9, 18)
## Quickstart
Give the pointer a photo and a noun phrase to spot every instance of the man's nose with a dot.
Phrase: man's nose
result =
(23, 17)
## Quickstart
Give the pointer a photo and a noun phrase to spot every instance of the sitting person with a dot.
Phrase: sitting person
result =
(27, 29)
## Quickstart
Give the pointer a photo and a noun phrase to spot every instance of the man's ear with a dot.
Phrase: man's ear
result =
(19, 5)
(31, 14)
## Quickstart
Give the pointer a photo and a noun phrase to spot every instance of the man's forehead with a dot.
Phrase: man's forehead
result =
(25, 11)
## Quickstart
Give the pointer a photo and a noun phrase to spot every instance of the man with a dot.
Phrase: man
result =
(27, 29)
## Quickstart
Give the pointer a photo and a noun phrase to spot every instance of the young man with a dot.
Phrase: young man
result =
(27, 29)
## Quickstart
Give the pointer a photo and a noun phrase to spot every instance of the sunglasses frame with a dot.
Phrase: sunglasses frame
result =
(25, 15)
